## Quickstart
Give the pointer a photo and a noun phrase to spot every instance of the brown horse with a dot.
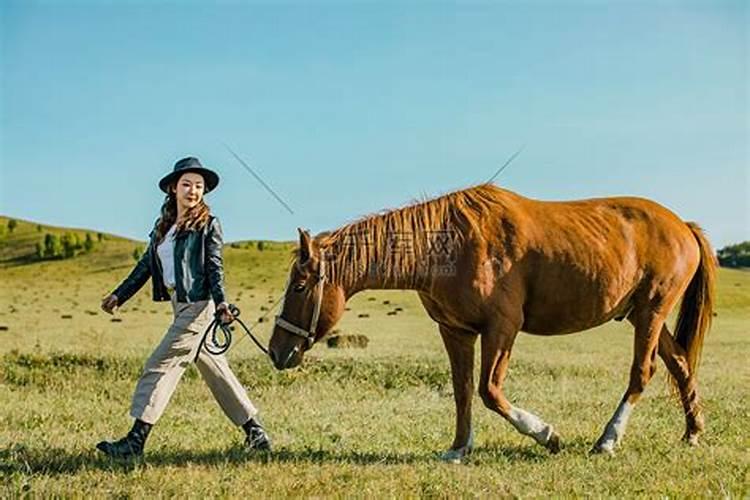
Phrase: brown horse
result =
(488, 262)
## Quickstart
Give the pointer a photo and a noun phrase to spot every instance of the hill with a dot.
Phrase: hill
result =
(19, 246)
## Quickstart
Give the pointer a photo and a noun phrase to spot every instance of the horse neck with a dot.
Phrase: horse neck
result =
(368, 263)
(374, 279)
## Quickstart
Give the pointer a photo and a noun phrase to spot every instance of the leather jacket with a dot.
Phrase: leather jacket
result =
(199, 269)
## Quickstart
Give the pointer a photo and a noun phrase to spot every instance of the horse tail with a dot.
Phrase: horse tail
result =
(697, 309)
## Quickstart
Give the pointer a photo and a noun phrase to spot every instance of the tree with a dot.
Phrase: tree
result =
(261, 246)
(88, 244)
(12, 224)
(99, 236)
(52, 246)
(38, 228)
(68, 245)
(737, 255)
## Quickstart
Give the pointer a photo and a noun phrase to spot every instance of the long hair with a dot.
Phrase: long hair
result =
(697, 309)
(195, 218)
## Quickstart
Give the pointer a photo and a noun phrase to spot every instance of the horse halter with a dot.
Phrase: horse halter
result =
(309, 334)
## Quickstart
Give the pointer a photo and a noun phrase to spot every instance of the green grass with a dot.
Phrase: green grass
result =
(349, 422)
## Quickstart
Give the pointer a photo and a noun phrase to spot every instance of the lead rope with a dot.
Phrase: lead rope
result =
(218, 347)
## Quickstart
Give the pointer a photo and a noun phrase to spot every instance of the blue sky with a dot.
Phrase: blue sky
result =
(347, 108)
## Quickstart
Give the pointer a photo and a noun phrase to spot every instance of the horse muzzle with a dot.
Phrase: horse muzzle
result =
(289, 359)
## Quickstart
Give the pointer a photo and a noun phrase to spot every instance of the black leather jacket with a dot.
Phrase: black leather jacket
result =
(199, 268)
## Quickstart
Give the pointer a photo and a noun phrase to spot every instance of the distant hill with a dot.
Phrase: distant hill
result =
(19, 246)
(255, 275)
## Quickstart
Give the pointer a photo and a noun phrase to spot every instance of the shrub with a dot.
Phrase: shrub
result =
(62, 247)
(12, 224)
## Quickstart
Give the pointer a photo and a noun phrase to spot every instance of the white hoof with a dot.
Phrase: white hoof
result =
(455, 456)
(604, 448)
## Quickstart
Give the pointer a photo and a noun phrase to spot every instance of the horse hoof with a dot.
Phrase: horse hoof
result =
(690, 439)
(553, 443)
(606, 448)
(454, 456)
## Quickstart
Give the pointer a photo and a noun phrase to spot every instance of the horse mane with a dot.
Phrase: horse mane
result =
(399, 241)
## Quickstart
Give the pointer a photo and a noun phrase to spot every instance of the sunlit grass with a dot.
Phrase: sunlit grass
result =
(349, 422)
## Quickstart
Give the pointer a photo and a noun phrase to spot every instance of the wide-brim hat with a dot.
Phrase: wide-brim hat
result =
(190, 164)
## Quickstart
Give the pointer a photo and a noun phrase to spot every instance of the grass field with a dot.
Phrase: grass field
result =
(349, 422)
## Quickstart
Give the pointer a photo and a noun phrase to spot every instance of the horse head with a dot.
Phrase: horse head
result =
(312, 305)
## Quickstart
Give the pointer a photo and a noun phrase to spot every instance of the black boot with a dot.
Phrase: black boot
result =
(131, 446)
(256, 437)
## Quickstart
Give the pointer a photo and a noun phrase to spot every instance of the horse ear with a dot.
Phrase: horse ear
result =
(305, 246)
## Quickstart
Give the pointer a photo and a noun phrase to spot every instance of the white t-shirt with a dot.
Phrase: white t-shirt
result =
(166, 256)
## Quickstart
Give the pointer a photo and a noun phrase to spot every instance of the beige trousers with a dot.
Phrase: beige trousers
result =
(174, 354)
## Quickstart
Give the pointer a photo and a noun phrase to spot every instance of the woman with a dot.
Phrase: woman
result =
(184, 260)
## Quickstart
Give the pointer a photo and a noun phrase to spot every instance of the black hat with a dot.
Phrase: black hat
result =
(190, 164)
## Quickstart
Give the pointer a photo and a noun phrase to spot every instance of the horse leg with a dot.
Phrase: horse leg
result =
(647, 330)
(674, 357)
(496, 348)
(460, 346)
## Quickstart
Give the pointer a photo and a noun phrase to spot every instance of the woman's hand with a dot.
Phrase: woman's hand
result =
(226, 315)
(109, 304)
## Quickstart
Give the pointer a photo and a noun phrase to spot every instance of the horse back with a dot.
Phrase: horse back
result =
(582, 263)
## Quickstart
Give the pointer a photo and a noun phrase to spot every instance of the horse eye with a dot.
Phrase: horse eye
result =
(299, 287)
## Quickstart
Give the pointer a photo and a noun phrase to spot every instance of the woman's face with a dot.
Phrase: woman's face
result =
(189, 190)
